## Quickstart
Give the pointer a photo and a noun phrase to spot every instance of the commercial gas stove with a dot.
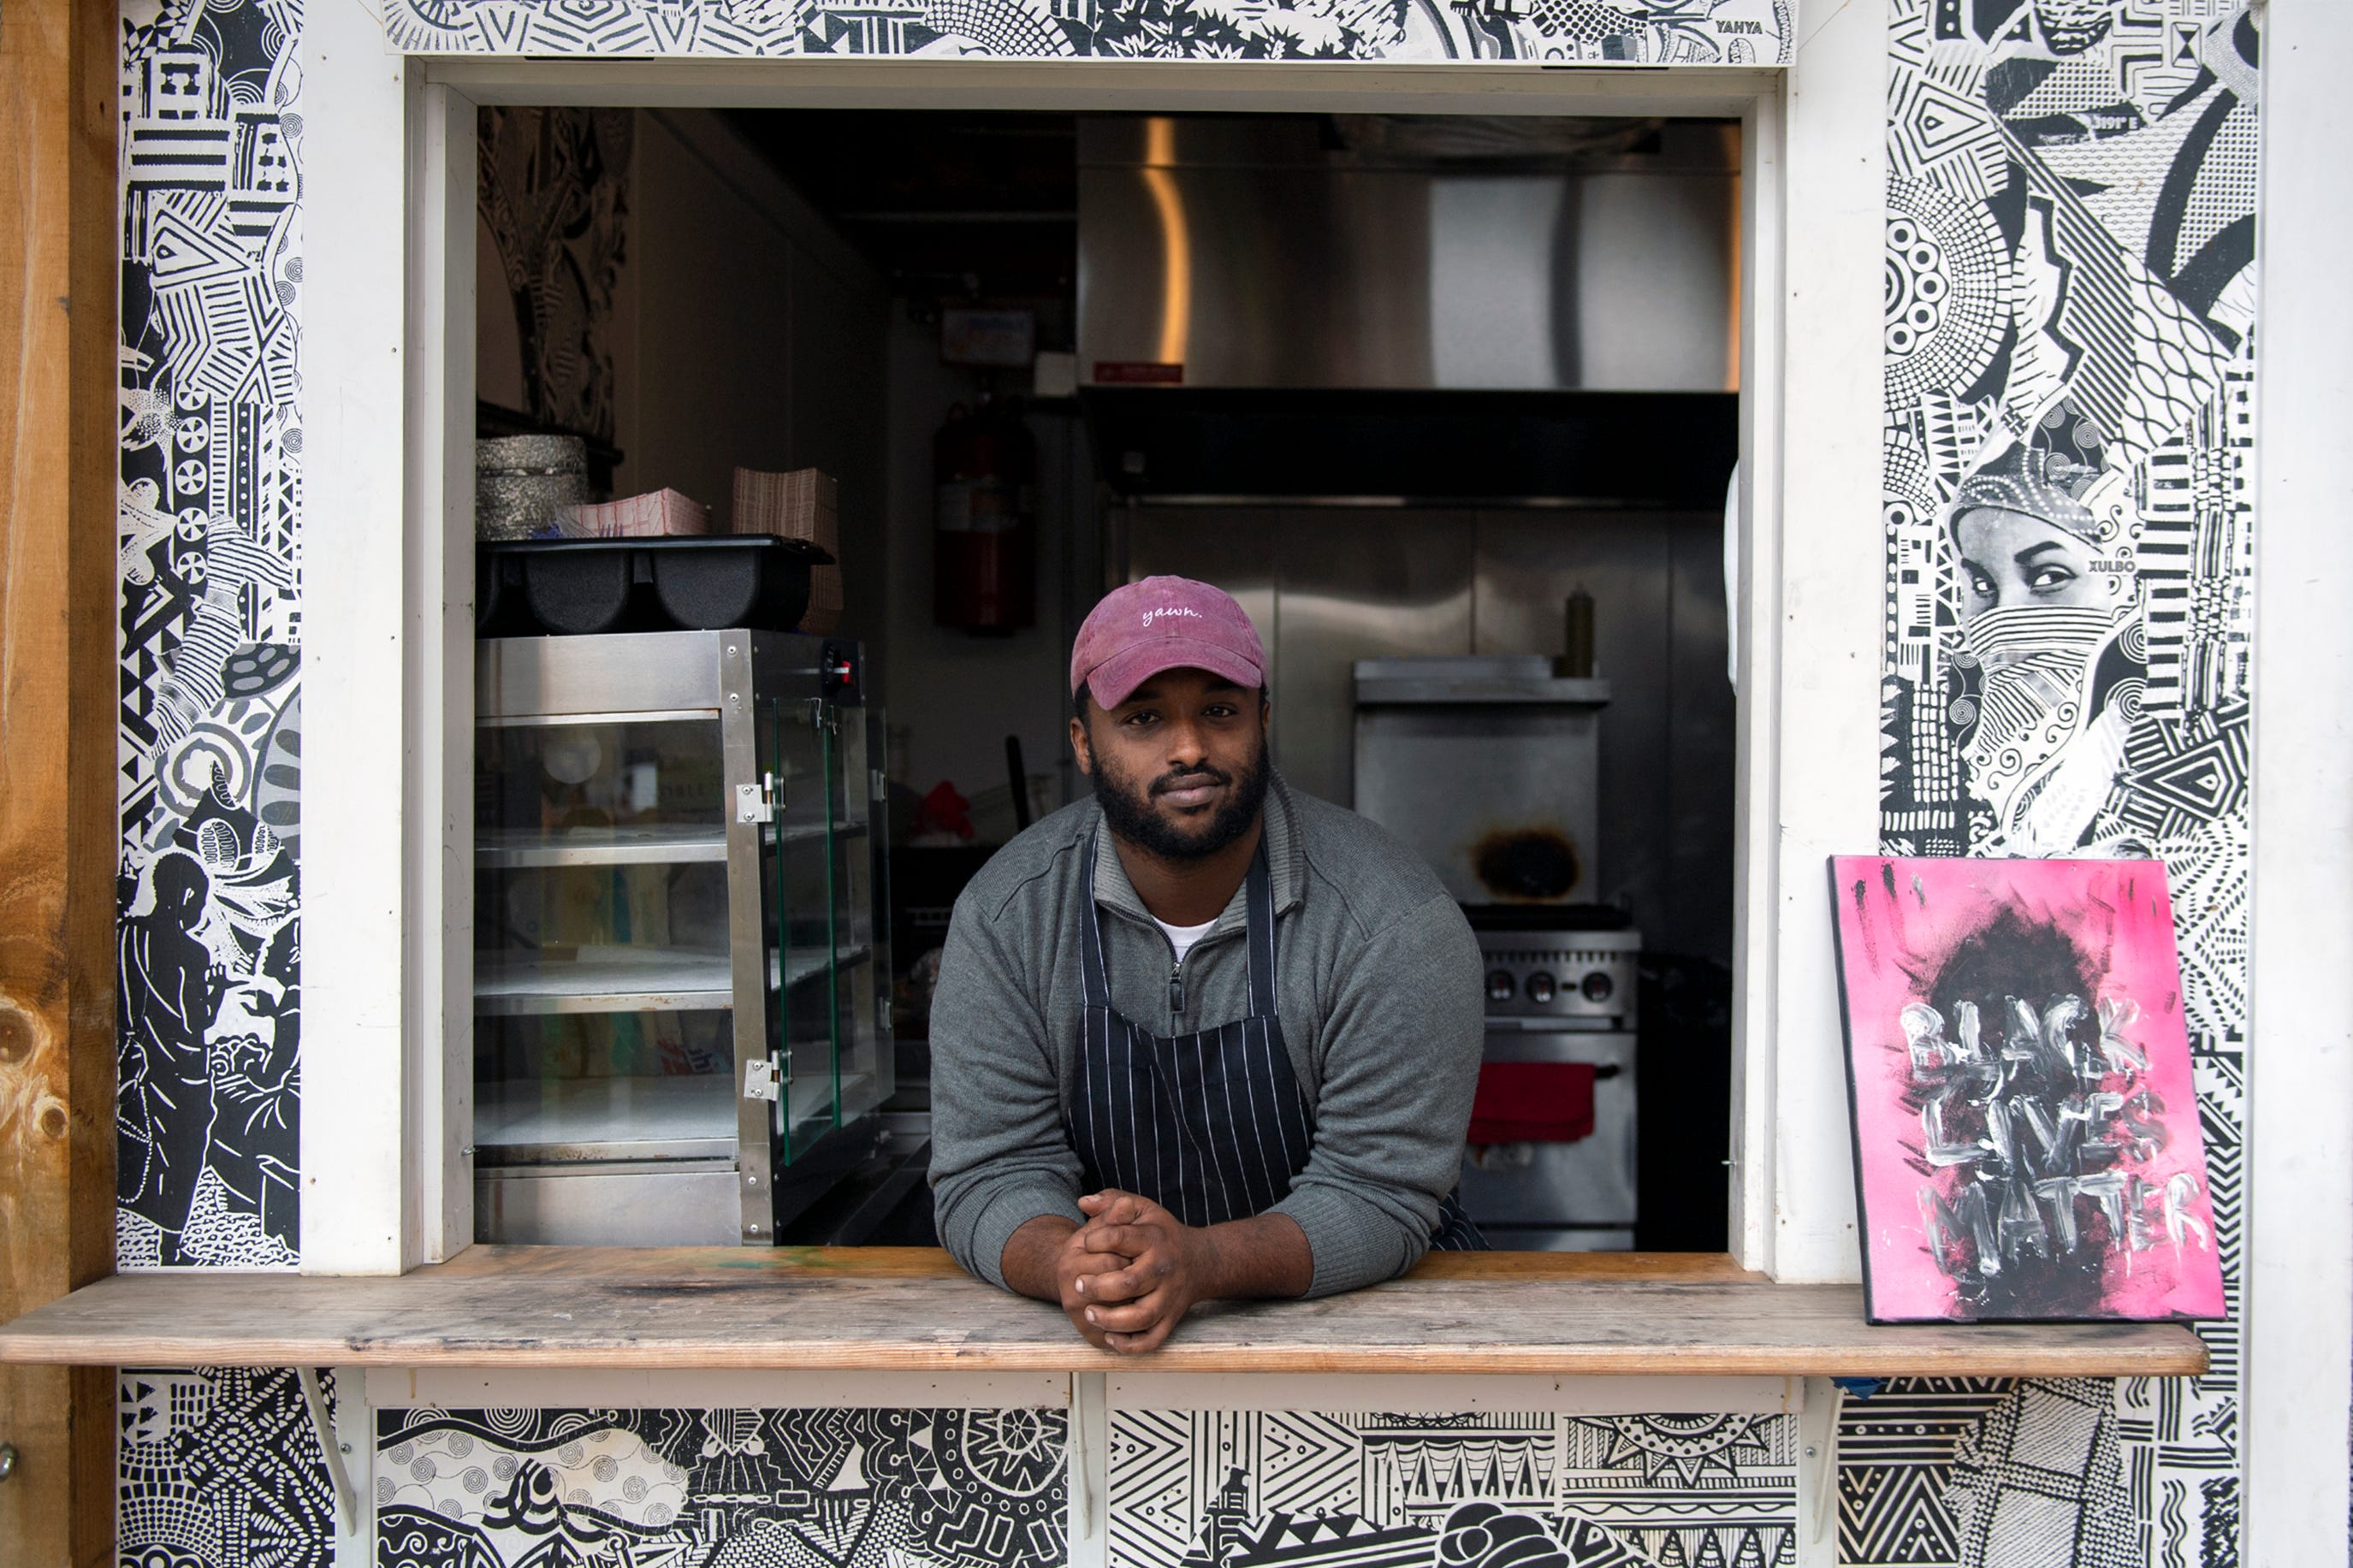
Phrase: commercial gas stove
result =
(1551, 1161)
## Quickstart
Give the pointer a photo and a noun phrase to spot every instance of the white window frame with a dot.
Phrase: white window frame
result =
(389, 355)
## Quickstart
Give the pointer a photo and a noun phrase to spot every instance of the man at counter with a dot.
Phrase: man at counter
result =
(1199, 1036)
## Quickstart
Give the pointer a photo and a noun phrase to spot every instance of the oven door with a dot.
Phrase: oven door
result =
(1576, 1196)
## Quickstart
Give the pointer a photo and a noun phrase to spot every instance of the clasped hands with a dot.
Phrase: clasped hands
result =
(1129, 1275)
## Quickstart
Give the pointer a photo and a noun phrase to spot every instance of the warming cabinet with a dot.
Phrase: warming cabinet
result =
(680, 1025)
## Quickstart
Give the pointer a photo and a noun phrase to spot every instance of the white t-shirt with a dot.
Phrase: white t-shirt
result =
(1182, 938)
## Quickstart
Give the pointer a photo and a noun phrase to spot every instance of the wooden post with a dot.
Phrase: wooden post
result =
(57, 831)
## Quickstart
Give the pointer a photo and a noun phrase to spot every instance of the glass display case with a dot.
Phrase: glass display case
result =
(680, 993)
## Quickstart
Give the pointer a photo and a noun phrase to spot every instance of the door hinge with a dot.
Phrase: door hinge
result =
(758, 802)
(761, 1080)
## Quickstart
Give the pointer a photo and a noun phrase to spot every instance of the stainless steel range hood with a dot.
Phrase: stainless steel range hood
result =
(1402, 254)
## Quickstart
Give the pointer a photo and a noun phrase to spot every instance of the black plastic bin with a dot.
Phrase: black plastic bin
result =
(558, 587)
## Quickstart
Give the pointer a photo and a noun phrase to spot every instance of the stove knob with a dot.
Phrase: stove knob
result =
(1540, 987)
(1500, 985)
(1597, 985)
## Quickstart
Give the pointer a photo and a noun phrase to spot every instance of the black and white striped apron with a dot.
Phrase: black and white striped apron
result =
(1211, 1126)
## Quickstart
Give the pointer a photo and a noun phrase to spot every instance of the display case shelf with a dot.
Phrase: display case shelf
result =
(558, 1120)
(625, 980)
(601, 980)
(630, 843)
(651, 843)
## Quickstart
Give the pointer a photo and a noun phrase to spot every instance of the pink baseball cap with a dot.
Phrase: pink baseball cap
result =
(1163, 622)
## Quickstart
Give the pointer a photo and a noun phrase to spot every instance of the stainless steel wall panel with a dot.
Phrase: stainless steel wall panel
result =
(1352, 585)
(1528, 564)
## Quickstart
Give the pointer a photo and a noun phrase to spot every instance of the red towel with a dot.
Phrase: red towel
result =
(1533, 1102)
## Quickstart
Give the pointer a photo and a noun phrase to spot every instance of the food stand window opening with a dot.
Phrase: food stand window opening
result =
(712, 857)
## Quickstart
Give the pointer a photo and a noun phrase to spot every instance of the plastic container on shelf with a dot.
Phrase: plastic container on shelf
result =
(567, 587)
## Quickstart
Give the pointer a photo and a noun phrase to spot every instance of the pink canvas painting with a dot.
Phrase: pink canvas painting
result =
(2026, 1136)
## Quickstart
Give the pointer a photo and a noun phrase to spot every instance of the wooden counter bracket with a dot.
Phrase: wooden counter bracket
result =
(884, 1308)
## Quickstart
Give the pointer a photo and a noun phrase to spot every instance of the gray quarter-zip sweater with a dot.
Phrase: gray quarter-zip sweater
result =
(1379, 986)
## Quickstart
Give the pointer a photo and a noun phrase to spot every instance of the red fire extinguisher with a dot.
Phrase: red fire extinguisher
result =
(984, 525)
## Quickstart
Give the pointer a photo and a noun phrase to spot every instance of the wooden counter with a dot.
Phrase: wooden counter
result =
(892, 1308)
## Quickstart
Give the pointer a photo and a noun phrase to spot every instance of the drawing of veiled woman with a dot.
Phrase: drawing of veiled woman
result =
(2049, 668)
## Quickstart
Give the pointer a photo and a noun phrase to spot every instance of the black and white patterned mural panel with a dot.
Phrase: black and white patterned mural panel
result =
(1594, 32)
(220, 1469)
(720, 1488)
(1224, 1488)
(2069, 413)
(1898, 1443)
(209, 633)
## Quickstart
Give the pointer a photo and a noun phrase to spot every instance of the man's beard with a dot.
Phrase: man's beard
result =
(1127, 807)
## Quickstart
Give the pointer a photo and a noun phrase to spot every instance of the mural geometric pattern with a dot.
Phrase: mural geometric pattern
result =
(1228, 1488)
(220, 1469)
(1592, 32)
(2069, 426)
(1896, 1445)
(209, 743)
(715, 1489)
